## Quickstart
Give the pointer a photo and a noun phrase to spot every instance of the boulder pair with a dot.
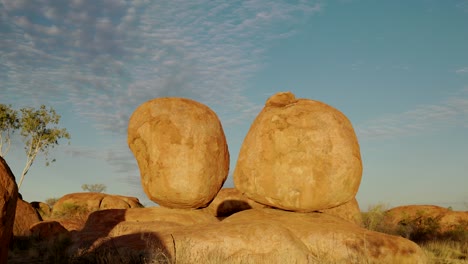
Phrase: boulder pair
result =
(299, 154)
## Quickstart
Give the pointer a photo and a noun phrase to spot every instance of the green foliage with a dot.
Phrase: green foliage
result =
(9, 123)
(71, 209)
(51, 201)
(373, 219)
(419, 229)
(38, 129)
(99, 187)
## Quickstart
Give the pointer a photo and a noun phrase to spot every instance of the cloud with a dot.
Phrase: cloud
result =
(107, 57)
(462, 70)
(450, 112)
(102, 58)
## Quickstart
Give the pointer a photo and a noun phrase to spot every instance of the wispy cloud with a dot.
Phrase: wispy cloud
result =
(450, 112)
(103, 58)
(106, 57)
(462, 70)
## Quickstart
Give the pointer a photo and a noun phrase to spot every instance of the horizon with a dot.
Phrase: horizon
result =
(397, 70)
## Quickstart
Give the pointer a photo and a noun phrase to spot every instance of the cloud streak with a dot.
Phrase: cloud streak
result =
(106, 57)
(445, 114)
(103, 58)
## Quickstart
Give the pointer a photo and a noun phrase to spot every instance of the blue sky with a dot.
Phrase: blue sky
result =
(397, 69)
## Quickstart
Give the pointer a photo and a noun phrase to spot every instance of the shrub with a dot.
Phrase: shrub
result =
(374, 218)
(51, 201)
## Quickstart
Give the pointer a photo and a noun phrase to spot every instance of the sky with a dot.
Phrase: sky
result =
(397, 69)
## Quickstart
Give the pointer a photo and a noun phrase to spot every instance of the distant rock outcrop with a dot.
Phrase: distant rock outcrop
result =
(442, 218)
(181, 151)
(89, 201)
(299, 155)
(8, 200)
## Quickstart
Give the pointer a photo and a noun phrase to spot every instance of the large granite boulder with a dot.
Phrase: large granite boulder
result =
(8, 200)
(333, 240)
(181, 151)
(299, 155)
(74, 203)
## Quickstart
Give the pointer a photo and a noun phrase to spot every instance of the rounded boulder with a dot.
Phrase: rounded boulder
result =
(181, 151)
(299, 155)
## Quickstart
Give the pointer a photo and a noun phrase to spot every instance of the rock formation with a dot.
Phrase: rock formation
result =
(181, 151)
(446, 219)
(25, 217)
(349, 211)
(333, 240)
(299, 155)
(89, 201)
(48, 230)
(8, 200)
(230, 201)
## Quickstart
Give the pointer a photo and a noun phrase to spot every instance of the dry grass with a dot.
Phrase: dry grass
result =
(440, 247)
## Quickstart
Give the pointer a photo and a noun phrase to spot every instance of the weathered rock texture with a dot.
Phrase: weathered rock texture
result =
(89, 201)
(8, 200)
(299, 155)
(229, 201)
(332, 240)
(123, 222)
(446, 219)
(25, 217)
(250, 236)
(349, 211)
(181, 151)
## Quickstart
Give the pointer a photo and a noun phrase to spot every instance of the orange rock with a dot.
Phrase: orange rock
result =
(349, 211)
(446, 219)
(8, 200)
(299, 155)
(105, 224)
(89, 201)
(181, 151)
(333, 240)
(229, 201)
(25, 217)
(48, 230)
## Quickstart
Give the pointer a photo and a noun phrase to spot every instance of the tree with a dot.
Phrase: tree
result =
(94, 187)
(9, 122)
(38, 129)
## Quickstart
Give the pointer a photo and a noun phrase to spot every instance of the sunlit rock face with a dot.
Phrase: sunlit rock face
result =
(181, 151)
(299, 155)
(8, 200)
